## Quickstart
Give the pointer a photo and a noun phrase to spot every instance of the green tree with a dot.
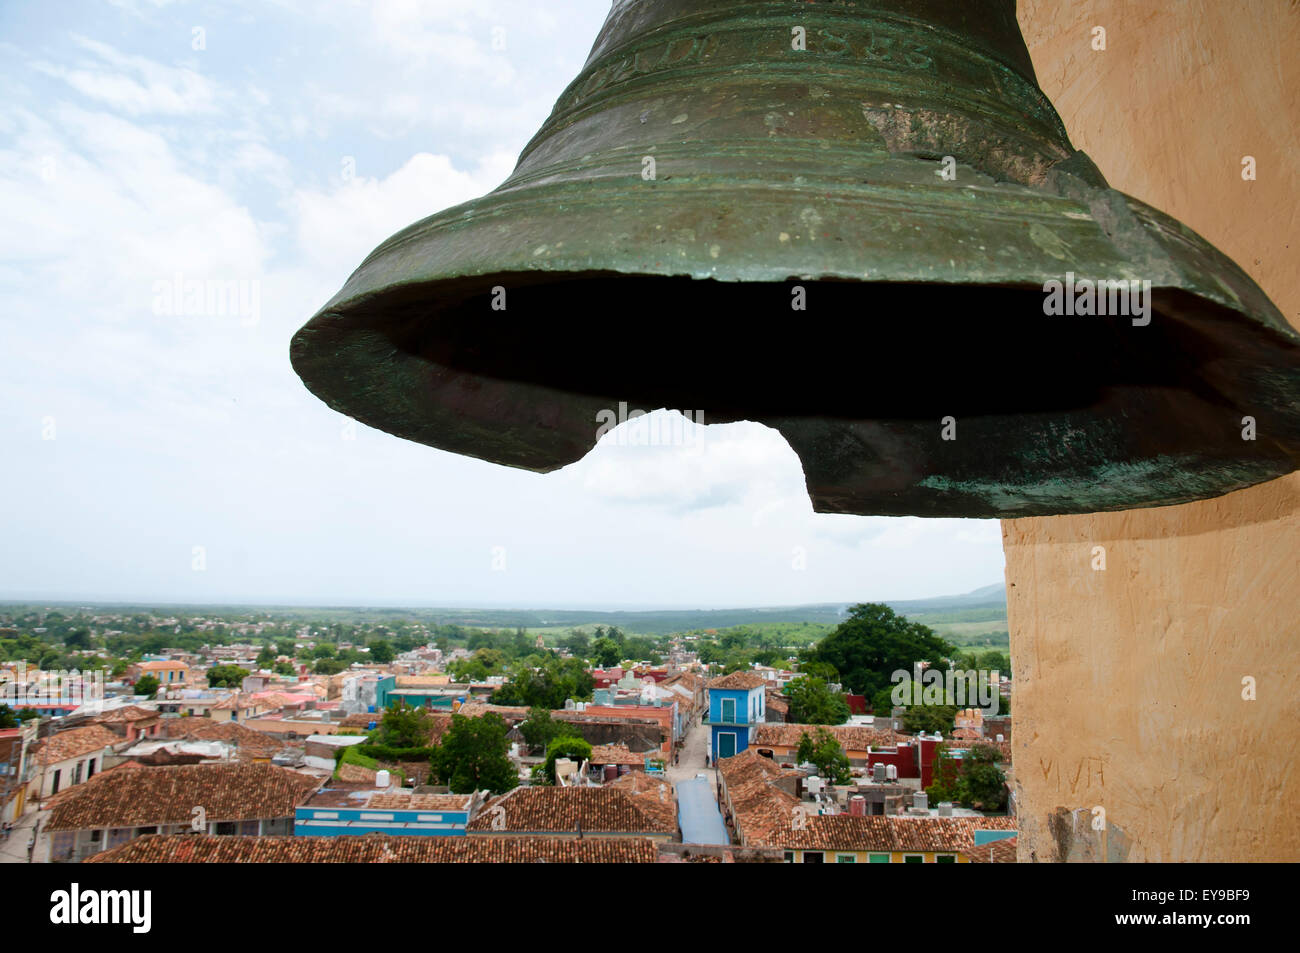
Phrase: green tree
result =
(575, 749)
(929, 718)
(146, 685)
(284, 668)
(473, 756)
(540, 729)
(7, 717)
(265, 658)
(77, 639)
(815, 668)
(285, 647)
(226, 676)
(578, 643)
(606, 652)
(993, 660)
(328, 666)
(548, 686)
(27, 714)
(974, 780)
(882, 703)
(813, 703)
(946, 777)
(381, 651)
(825, 752)
(874, 642)
(984, 788)
(403, 727)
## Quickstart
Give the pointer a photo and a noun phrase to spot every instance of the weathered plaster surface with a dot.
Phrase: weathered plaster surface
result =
(1129, 680)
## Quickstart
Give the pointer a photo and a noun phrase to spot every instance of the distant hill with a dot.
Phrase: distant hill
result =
(983, 607)
(986, 597)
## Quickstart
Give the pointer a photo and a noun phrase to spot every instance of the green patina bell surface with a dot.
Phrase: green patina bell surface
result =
(841, 220)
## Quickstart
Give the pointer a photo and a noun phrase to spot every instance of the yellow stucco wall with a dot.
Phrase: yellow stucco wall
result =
(1129, 680)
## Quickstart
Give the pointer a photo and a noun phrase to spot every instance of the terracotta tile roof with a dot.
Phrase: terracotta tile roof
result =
(614, 754)
(441, 725)
(850, 737)
(511, 713)
(181, 727)
(126, 714)
(739, 680)
(247, 742)
(362, 719)
(688, 680)
(759, 809)
(646, 791)
(998, 852)
(144, 796)
(562, 810)
(357, 772)
(74, 743)
(410, 801)
(892, 833)
(380, 849)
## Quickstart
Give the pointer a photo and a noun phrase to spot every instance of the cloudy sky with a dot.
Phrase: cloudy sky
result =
(156, 454)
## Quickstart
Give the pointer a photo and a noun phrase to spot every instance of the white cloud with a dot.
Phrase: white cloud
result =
(336, 229)
(740, 464)
(134, 84)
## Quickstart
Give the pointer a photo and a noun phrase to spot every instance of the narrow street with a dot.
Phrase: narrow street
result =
(692, 756)
(14, 850)
(697, 805)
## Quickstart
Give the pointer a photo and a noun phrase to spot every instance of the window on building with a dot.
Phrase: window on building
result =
(845, 859)
(76, 772)
(913, 858)
(147, 830)
(789, 857)
(813, 857)
(729, 709)
(90, 769)
(945, 858)
(878, 859)
(58, 773)
(226, 827)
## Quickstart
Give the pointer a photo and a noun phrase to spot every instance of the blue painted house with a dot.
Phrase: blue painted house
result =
(736, 706)
(338, 810)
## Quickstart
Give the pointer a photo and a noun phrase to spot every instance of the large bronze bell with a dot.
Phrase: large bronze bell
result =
(891, 166)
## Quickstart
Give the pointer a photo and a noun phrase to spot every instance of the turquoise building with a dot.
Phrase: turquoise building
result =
(736, 706)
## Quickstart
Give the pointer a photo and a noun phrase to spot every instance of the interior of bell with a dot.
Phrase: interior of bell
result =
(859, 350)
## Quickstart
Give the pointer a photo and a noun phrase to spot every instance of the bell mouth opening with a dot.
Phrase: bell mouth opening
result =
(1053, 413)
(828, 348)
